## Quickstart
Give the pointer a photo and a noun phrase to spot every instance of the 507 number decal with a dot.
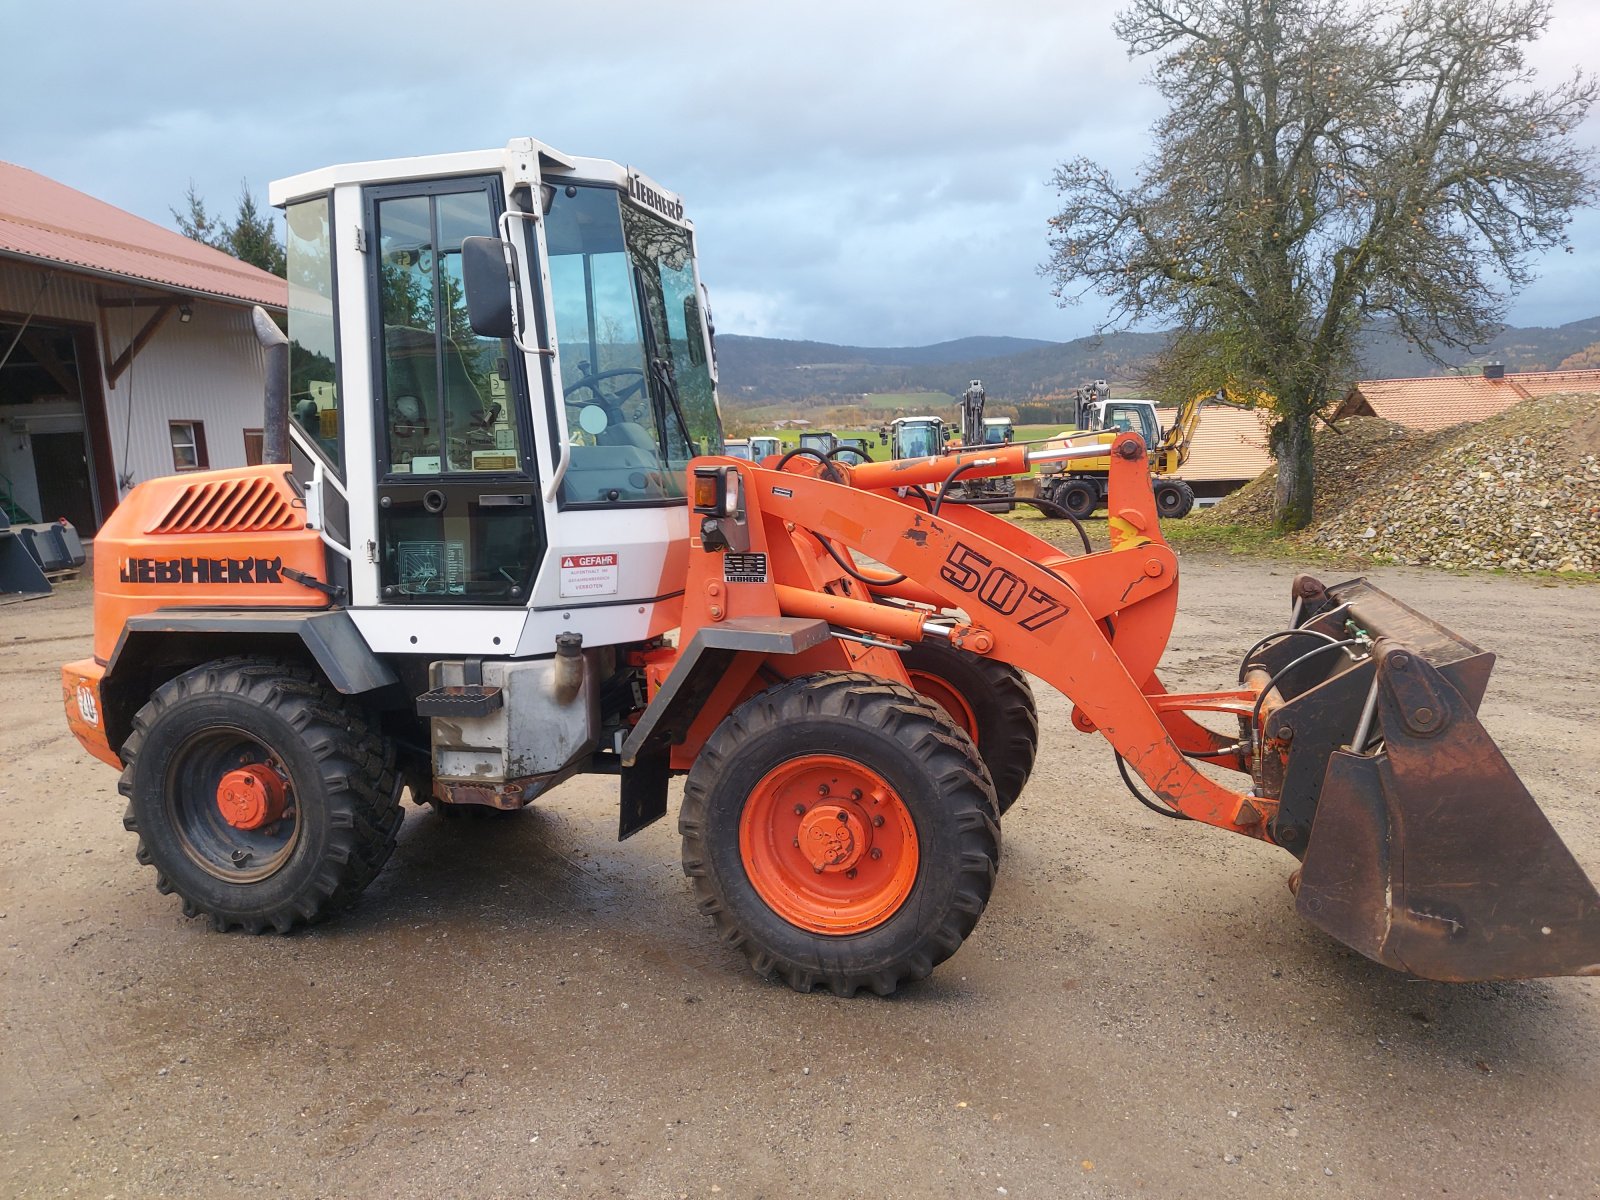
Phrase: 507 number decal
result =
(999, 589)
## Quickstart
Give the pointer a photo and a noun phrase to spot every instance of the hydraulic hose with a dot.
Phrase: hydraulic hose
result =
(1255, 712)
(1245, 661)
(1161, 809)
(809, 452)
(850, 570)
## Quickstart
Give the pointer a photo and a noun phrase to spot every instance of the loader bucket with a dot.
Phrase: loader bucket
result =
(1426, 852)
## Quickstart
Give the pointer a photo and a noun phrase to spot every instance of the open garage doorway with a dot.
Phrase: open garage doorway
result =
(55, 449)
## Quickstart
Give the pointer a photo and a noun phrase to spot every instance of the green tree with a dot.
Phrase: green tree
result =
(251, 235)
(1323, 166)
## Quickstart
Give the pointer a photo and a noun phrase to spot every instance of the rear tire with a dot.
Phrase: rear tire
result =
(334, 770)
(1079, 497)
(872, 898)
(1174, 499)
(990, 701)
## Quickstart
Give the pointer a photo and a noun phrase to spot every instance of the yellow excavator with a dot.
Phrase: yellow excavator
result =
(1079, 486)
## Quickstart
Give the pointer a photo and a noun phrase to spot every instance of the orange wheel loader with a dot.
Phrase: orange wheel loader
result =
(502, 547)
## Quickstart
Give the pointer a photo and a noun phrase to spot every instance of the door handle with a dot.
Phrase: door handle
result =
(508, 500)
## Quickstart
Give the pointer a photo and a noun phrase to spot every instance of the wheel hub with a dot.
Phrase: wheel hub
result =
(828, 838)
(252, 796)
(828, 844)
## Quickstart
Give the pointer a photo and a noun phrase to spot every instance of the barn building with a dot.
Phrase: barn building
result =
(1440, 401)
(127, 351)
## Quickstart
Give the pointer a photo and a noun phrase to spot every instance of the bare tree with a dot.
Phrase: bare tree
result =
(1322, 166)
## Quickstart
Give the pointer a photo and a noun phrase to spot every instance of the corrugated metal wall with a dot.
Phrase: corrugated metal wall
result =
(208, 370)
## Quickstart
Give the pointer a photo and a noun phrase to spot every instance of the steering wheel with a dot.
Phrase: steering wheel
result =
(610, 401)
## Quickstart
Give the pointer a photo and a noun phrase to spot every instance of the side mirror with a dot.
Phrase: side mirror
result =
(487, 280)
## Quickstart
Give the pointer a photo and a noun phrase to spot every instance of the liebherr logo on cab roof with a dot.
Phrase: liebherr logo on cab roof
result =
(641, 192)
(202, 570)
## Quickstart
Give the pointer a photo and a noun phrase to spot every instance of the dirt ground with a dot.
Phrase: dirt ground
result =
(524, 1007)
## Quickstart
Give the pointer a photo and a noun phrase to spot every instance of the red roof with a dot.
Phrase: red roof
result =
(1439, 402)
(46, 221)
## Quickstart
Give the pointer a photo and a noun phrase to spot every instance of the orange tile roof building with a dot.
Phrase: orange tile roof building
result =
(126, 351)
(1439, 402)
(1229, 448)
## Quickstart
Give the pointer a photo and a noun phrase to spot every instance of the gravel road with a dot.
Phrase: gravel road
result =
(524, 1007)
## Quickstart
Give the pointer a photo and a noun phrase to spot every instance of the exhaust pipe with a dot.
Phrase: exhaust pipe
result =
(275, 416)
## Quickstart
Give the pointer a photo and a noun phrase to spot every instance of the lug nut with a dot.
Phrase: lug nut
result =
(855, 793)
(799, 810)
(797, 843)
(877, 852)
(877, 821)
(817, 869)
(850, 874)
(843, 817)
(822, 789)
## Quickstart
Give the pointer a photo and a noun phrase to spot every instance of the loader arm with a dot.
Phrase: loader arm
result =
(1358, 725)
(1094, 626)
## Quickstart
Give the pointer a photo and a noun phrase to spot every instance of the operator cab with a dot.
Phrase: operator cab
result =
(917, 437)
(460, 462)
(997, 431)
(1127, 416)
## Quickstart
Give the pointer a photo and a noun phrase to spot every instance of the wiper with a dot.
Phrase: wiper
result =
(662, 377)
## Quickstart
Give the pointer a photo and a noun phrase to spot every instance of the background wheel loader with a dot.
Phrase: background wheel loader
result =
(508, 550)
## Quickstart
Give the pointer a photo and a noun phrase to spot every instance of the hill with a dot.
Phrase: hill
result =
(762, 372)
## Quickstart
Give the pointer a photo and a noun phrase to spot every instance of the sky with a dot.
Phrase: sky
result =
(871, 173)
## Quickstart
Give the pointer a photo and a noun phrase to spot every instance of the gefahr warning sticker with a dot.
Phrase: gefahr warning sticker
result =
(588, 575)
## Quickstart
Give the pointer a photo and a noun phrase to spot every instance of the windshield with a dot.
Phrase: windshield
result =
(918, 441)
(1133, 418)
(639, 398)
(993, 435)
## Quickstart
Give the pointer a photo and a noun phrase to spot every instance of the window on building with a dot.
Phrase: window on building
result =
(254, 440)
(188, 445)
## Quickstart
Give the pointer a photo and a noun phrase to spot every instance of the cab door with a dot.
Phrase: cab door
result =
(458, 515)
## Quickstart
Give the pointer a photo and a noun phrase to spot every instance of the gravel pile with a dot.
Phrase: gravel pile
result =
(1519, 491)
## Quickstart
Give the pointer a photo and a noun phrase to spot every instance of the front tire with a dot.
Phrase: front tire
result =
(259, 794)
(841, 833)
(990, 701)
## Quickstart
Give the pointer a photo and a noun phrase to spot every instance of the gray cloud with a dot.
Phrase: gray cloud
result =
(860, 173)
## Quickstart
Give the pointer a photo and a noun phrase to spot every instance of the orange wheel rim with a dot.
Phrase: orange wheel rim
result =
(948, 698)
(828, 844)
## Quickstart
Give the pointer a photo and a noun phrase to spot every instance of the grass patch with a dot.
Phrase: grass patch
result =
(1229, 539)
